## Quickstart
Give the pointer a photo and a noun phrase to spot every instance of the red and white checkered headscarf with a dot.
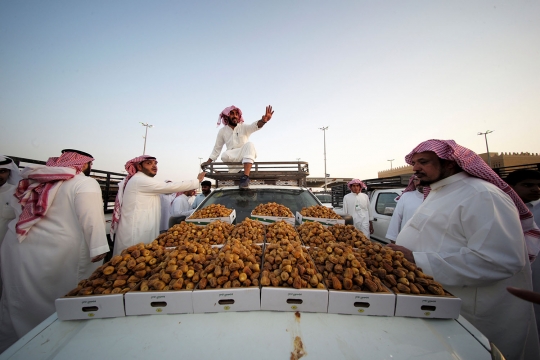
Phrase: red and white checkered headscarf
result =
(356, 181)
(131, 168)
(223, 115)
(473, 164)
(37, 189)
(410, 187)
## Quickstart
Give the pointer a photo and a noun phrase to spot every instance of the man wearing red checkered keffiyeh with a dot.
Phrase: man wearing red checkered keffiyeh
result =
(356, 204)
(137, 210)
(54, 243)
(470, 235)
(235, 136)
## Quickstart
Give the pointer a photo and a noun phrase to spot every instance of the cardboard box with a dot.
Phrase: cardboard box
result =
(291, 299)
(229, 219)
(267, 220)
(361, 303)
(422, 306)
(90, 307)
(325, 222)
(158, 302)
(226, 300)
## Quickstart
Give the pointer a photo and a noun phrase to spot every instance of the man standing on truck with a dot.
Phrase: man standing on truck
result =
(137, 209)
(408, 202)
(356, 204)
(468, 235)
(56, 241)
(235, 135)
(526, 183)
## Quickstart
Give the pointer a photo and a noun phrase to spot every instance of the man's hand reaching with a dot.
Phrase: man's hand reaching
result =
(201, 176)
(98, 258)
(268, 115)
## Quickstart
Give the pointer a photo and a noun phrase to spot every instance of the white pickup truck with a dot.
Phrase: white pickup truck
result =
(258, 334)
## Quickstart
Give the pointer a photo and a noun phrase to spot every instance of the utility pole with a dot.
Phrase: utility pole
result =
(487, 147)
(391, 163)
(324, 132)
(147, 125)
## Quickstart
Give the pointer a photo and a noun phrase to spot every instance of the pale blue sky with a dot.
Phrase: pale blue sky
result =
(383, 76)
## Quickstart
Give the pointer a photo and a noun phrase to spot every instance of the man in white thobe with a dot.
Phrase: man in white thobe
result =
(356, 204)
(165, 202)
(467, 234)
(9, 179)
(526, 183)
(407, 203)
(137, 212)
(235, 135)
(45, 254)
(180, 205)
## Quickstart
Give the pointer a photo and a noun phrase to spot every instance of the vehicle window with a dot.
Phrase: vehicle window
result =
(324, 198)
(244, 201)
(386, 203)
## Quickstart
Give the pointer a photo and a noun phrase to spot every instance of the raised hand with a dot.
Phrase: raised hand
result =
(268, 115)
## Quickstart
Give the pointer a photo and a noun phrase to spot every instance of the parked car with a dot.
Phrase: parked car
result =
(324, 198)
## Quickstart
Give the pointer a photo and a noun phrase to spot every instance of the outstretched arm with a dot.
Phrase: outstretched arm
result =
(266, 117)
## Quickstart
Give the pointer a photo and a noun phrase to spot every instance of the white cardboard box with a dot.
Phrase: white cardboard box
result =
(229, 219)
(421, 306)
(226, 300)
(267, 220)
(361, 303)
(291, 299)
(325, 222)
(90, 307)
(158, 302)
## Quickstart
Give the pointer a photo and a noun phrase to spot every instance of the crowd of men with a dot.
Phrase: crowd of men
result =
(457, 220)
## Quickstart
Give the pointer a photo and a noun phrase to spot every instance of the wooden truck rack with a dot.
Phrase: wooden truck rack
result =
(292, 173)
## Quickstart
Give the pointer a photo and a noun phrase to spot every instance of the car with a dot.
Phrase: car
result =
(325, 199)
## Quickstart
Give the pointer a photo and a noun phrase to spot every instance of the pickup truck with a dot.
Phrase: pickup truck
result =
(260, 334)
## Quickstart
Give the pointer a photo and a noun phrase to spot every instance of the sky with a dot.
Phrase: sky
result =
(383, 76)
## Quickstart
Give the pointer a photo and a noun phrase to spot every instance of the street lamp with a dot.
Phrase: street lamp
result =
(324, 132)
(147, 125)
(391, 163)
(298, 159)
(487, 147)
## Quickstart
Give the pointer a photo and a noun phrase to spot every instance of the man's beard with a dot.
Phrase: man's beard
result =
(87, 171)
(147, 173)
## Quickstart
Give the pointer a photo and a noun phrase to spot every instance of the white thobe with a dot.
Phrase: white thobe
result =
(236, 141)
(405, 209)
(165, 202)
(357, 205)
(140, 213)
(534, 207)
(53, 258)
(8, 206)
(467, 235)
(181, 206)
